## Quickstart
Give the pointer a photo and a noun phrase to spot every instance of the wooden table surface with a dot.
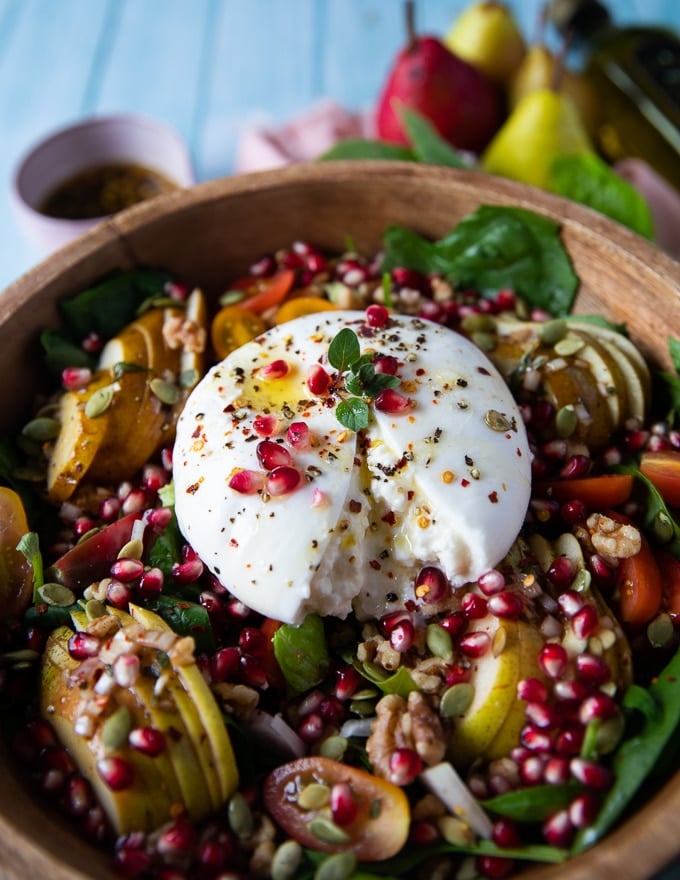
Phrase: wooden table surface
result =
(208, 67)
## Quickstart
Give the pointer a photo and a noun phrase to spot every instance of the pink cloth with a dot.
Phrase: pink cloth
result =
(302, 139)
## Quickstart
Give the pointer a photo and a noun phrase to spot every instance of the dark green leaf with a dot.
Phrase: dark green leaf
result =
(166, 550)
(380, 382)
(493, 248)
(428, 145)
(671, 385)
(186, 618)
(585, 178)
(360, 148)
(601, 321)
(61, 352)
(637, 755)
(674, 352)
(533, 804)
(654, 508)
(49, 617)
(344, 349)
(353, 413)
(302, 653)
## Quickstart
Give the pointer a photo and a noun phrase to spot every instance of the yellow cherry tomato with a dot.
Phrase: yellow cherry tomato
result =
(298, 306)
(232, 327)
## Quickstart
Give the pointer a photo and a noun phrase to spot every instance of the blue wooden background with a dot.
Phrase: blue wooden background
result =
(208, 67)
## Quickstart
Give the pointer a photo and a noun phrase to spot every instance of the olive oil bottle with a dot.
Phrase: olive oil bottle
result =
(635, 71)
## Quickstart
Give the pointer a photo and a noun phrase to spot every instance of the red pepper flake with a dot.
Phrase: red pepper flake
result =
(193, 489)
(354, 506)
(493, 497)
(390, 518)
(464, 482)
(375, 565)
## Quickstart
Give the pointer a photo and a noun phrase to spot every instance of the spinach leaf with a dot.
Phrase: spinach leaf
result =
(638, 755)
(302, 653)
(428, 145)
(585, 178)
(657, 519)
(166, 550)
(674, 352)
(186, 618)
(492, 248)
(360, 148)
(61, 352)
(533, 804)
(399, 682)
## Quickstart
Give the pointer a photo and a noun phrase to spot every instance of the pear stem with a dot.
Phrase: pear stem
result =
(410, 13)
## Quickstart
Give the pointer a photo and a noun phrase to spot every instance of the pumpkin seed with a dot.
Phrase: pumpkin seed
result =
(166, 392)
(660, 630)
(455, 831)
(99, 402)
(439, 641)
(94, 609)
(286, 861)
(231, 297)
(497, 421)
(566, 420)
(240, 815)
(456, 699)
(609, 733)
(478, 324)
(333, 747)
(57, 595)
(327, 831)
(340, 866)
(484, 341)
(663, 527)
(363, 708)
(568, 346)
(581, 582)
(314, 796)
(365, 693)
(126, 367)
(132, 550)
(116, 729)
(552, 331)
(188, 378)
(41, 429)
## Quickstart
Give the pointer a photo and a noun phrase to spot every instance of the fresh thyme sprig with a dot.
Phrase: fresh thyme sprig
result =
(361, 379)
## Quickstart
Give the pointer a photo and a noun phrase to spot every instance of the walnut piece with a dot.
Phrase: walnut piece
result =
(411, 724)
(181, 332)
(613, 539)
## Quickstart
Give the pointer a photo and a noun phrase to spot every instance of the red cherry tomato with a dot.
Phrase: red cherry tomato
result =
(379, 828)
(663, 470)
(16, 574)
(264, 293)
(640, 587)
(607, 490)
(670, 576)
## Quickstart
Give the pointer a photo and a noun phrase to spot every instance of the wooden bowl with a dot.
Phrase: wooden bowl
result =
(211, 233)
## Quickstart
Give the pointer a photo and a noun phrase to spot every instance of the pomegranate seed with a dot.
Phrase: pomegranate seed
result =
(275, 370)
(299, 436)
(116, 772)
(543, 415)
(135, 502)
(158, 518)
(252, 671)
(573, 512)
(82, 645)
(92, 343)
(355, 276)
(535, 739)
(347, 682)
(225, 663)
(151, 583)
(506, 299)
(531, 769)
(542, 715)
(505, 834)
(130, 863)
(76, 378)
(454, 623)
(78, 795)
(311, 702)
(147, 740)
(475, 644)
(404, 277)
(583, 809)
(423, 833)
(238, 610)
(494, 867)
(507, 605)
(592, 670)
(247, 482)
(570, 602)
(389, 621)
(118, 594)
(177, 840)
(590, 773)
(473, 606)
(311, 727)
(166, 457)
(154, 477)
(177, 291)
(557, 770)
(187, 572)
(40, 734)
(570, 690)
(431, 585)
(402, 635)
(109, 510)
(377, 316)
(283, 480)
(343, 806)
(596, 708)
(212, 857)
(405, 764)
(265, 426)
(635, 441)
(555, 450)
(533, 690)
(83, 525)
(585, 622)
(331, 710)
(569, 741)
(576, 466)
(552, 659)
(264, 267)
(318, 380)
(491, 582)
(602, 572)
(392, 402)
(456, 674)
(127, 570)
(94, 824)
(561, 572)
(271, 454)
(252, 640)
(386, 363)
(557, 829)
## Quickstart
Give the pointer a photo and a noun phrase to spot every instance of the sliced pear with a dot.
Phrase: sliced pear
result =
(574, 385)
(198, 690)
(605, 371)
(494, 677)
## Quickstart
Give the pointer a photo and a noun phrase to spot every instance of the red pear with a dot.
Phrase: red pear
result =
(460, 101)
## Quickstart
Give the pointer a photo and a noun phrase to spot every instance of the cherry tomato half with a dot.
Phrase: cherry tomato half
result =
(607, 490)
(264, 293)
(640, 587)
(296, 307)
(670, 577)
(232, 327)
(663, 470)
(16, 574)
(377, 831)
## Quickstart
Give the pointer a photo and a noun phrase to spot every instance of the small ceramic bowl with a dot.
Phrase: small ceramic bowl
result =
(97, 142)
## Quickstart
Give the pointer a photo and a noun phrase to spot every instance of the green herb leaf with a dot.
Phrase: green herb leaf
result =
(428, 145)
(533, 804)
(166, 550)
(656, 512)
(493, 248)
(61, 352)
(585, 178)
(674, 352)
(186, 618)
(302, 653)
(29, 545)
(344, 349)
(400, 682)
(353, 413)
(364, 148)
